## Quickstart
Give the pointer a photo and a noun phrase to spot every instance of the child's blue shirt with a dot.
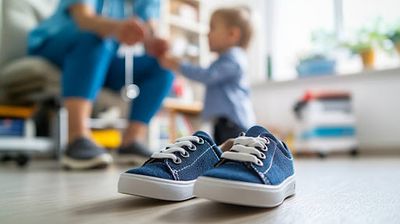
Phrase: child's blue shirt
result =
(61, 19)
(227, 90)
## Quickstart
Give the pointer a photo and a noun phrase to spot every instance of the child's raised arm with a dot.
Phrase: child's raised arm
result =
(220, 71)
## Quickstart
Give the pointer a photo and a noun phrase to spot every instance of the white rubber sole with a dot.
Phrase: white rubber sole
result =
(243, 193)
(153, 187)
(99, 161)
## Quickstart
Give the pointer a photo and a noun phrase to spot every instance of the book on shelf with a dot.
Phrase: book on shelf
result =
(12, 127)
(160, 131)
(183, 126)
(17, 111)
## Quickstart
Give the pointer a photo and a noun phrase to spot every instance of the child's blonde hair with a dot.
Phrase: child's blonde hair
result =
(237, 17)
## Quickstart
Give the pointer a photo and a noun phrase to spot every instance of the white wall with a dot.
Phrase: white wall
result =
(375, 101)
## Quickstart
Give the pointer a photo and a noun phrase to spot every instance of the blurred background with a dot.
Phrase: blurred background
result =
(339, 59)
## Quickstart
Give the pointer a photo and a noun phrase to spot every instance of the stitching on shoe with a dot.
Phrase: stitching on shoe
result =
(191, 164)
(272, 160)
(174, 174)
(261, 175)
(177, 175)
(270, 165)
(215, 154)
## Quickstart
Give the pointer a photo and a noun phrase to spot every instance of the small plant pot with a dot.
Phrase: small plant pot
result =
(368, 58)
(397, 44)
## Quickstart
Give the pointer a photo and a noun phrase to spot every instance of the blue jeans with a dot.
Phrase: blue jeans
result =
(89, 63)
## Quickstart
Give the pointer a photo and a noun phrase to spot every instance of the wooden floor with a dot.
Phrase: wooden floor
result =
(334, 190)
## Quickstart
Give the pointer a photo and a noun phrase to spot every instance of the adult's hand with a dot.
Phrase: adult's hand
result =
(129, 31)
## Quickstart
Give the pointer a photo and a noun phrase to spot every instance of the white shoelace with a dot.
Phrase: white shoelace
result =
(168, 152)
(248, 149)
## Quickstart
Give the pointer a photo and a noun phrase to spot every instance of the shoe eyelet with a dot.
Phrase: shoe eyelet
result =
(185, 155)
(265, 148)
(192, 148)
(268, 141)
(259, 163)
(200, 141)
(263, 156)
(177, 161)
(242, 134)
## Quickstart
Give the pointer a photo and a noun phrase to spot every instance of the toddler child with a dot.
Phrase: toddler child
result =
(227, 101)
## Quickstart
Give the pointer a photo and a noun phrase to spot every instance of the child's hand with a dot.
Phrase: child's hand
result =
(129, 31)
(169, 62)
(156, 47)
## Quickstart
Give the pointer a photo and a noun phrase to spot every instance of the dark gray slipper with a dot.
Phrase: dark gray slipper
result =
(83, 153)
(135, 152)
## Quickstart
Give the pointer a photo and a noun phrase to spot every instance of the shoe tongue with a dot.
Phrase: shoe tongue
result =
(205, 136)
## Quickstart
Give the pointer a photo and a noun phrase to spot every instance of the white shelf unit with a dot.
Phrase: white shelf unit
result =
(27, 143)
(16, 144)
(185, 24)
(190, 26)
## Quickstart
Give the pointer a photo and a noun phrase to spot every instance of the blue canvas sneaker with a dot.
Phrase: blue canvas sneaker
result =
(171, 173)
(257, 171)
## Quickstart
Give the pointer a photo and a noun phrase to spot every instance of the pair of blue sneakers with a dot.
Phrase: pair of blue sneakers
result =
(257, 171)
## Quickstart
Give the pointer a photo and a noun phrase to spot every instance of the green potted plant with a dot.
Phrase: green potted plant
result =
(366, 51)
(394, 36)
(365, 43)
